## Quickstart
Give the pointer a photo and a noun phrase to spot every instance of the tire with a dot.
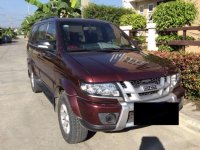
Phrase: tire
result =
(72, 131)
(35, 83)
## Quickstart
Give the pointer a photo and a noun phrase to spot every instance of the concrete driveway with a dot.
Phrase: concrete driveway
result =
(28, 121)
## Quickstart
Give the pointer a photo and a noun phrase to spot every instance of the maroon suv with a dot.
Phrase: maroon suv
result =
(94, 74)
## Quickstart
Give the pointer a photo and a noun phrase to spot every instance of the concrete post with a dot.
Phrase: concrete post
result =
(151, 37)
(126, 29)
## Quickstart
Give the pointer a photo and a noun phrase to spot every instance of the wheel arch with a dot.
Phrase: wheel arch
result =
(67, 86)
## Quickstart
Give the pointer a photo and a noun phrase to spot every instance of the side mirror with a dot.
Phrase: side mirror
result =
(46, 45)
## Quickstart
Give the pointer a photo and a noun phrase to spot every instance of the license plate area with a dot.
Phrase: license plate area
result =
(162, 113)
(152, 87)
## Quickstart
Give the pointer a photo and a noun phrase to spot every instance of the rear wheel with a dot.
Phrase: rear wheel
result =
(34, 83)
(71, 129)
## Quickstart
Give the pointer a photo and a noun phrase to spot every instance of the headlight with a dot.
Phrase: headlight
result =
(104, 89)
(175, 79)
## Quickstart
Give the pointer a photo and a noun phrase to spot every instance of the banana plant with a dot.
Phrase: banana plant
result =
(55, 3)
(60, 8)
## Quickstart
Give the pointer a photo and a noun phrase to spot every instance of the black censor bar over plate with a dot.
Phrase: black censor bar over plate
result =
(162, 113)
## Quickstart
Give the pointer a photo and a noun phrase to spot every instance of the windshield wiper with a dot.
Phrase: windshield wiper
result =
(79, 50)
(101, 50)
(117, 49)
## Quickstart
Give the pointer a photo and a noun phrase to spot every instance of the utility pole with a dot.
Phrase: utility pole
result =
(28, 9)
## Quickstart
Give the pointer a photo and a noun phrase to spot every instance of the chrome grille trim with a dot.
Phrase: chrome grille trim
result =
(137, 83)
(134, 90)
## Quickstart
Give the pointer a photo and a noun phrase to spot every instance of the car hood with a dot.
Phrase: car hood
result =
(121, 66)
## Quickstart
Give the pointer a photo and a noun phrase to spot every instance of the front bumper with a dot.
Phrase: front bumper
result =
(89, 112)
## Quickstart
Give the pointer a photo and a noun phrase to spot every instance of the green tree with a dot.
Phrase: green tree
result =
(59, 8)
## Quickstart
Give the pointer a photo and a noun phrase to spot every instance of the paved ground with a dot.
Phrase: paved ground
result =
(28, 122)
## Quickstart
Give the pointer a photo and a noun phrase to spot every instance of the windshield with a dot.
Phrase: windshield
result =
(97, 36)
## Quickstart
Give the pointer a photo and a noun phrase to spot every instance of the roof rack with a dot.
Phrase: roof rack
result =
(52, 17)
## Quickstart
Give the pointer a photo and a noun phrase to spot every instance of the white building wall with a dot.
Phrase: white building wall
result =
(126, 4)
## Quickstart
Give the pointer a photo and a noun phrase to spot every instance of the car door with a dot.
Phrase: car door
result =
(48, 56)
(39, 37)
(33, 52)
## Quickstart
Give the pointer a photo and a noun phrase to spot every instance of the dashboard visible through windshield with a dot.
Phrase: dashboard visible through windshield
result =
(97, 36)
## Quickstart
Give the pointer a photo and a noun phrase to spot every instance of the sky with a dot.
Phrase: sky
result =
(12, 12)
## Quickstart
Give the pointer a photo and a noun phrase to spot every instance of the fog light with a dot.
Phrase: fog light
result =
(108, 118)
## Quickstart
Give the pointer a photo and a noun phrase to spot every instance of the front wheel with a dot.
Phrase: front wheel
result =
(71, 129)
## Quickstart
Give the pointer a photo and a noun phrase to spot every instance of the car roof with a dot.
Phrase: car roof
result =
(80, 20)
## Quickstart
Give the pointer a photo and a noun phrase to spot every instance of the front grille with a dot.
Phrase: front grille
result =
(148, 89)
(137, 83)
(123, 85)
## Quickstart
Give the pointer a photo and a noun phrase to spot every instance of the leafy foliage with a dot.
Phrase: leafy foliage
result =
(35, 2)
(8, 31)
(140, 39)
(137, 21)
(164, 38)
(189, 65)
(108, 13)
(174, 14)
(60, 8)
(172, 36)
(30, 20)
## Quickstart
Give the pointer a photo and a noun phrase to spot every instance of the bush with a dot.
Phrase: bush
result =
(189, 65)
(170, 37)
(108, 13)
(174, 14)
(137, 21)
(9, 32)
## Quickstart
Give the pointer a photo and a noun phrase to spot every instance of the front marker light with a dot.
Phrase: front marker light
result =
(104, 89)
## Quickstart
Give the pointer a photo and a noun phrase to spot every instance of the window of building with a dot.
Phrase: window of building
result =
(150, 7)
(141, 9)
(150, 12)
